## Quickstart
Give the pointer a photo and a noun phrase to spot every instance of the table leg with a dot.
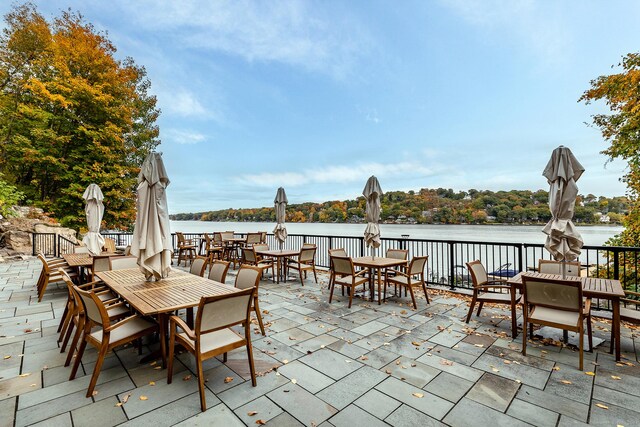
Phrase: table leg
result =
(514, 324)
(163, 320)
(372, 295)
(379, 282)
(616, 326)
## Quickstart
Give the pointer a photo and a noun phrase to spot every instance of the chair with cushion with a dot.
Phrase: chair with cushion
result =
(249, 277)
(199, 266)
(332, 253)
(218, 270)
(127, 250)
(393, 253)
(253, 238)
(186, 249)
(212, 334)
(304, 262)
(251, 258)
(103, 335)
(122, 262)
(80, 250)
(109, 245)
(414, 277)
(50, 273)
(213, 249)
(485, 290)
(555, 267)
(344, 274)
(556, 303)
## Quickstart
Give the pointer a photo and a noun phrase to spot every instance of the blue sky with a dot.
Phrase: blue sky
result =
(318, 96)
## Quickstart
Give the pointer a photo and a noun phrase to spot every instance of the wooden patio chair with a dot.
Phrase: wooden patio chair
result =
(251, 258)
(414, 277)
(109, 245)
(556, 303)
(107, 335)
(629, 311)
(263, 237)
(334, 252)
(116, 309)
(249, 277)
(305, 261)
(122, 262)
(186, 249)
(253, 238)
(393, 253)
(199, 266)
(218, 270)
(212, 334)
(213, 250)
(485, 290)
(344, 274)
(572, 268)
(80, 250)
(50, 273)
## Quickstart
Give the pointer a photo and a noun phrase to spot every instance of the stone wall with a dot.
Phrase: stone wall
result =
(15, 233)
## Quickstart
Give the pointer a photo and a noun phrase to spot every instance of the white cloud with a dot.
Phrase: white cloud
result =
(183, 137)
(338, 174)
(290, 32)
(181, 102)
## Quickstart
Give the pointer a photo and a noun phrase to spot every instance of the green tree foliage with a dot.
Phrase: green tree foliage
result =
(9, 196)
(439, 206)
(71, 114)
(621, 129)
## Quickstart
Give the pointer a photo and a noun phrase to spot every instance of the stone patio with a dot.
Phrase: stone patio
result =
(320, 365)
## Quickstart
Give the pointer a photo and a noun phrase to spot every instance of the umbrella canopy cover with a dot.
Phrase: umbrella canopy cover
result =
(280, 203)
(151, 242)
(93, 209)
(563, 239)
(372, 193)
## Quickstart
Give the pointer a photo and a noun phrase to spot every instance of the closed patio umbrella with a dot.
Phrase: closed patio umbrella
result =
(94, 209)
(151, 242)
(372, 193)
(280, 203)
(563, 239)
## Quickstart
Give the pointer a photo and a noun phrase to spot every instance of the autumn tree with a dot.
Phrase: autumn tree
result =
(621, 129)
(71, 114)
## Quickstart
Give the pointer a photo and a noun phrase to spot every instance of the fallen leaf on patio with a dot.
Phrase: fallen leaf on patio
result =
(495, 369)
(556, 368)
(187, 378)
(388, 371)
(619, 364)
(285, 361)
(28, 330)
(33, 385)
(126, 397)
(593, 374)
(292, 338)
(418, 394)
(251, 413)
(348, 361)
(157, 368)
(7, 357)
(507, 362)
(566, 382)
(153, 363)
(294, 381)
(261, 422)
(413, 365)
(397, 362)
(600, 405)
(518, 381)
(265, 311)
(228, 380)
(446, 362)
(403, 311)
(95, 393)
(386, 343)
(322, 346)
(152, 383)
(479, 345)
(416, 343)
(24, 375)
(615, 377)
(118, 404)
(143, 397)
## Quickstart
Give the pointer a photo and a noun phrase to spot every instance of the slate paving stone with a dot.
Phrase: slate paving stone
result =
(553, 402)
(344, 392)
(353, 416)
(494, 391)
(51, 408)
(245, 392)
(449, 386)
(526, 374)
(265, 408)
(532, 414)
(454, 355)
(331, 363)
(369, 328)
(315, 343)
(404, 346)
(301, 404)
(378, 404)
(406, 416)
(349, 350)
(318, 328)
(379, 358)
(566, 421)
(470, 413)
(291, 336)
(104, 413)
(62, 420)
(579, 388)
(454, 368)
(217, 415)
(626, 384)
(517, 356)
(284, 420)
(615, 397)
(612, 415)
(411, 371)
(7, 409)
(305, 376)
(430, 404)
(215, 378)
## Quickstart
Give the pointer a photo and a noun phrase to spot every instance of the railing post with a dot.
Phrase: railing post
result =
(452, 266)
(330, 242)
(33, 244)
(520, 259)
(361, 246)
(56, 243)
(616, 265)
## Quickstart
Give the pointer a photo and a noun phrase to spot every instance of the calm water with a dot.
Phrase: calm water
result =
(593, 235)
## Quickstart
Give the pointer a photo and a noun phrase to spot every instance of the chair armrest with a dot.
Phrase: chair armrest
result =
(113, 303)
(176, 321)
(361, 273)
(91, 285)
(587, 307)
(497, 281)
(494, 287)
(122, 322)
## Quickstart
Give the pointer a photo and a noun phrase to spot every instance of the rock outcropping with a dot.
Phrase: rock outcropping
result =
(16, 233)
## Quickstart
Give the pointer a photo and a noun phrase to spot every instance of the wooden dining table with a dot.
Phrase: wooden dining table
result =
(377, 264)
(592, 287)
(180, 290)
(280, 257)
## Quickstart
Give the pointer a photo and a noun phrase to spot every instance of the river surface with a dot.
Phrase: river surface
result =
(594, 235)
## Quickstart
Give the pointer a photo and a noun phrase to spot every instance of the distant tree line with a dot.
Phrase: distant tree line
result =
(435, 206)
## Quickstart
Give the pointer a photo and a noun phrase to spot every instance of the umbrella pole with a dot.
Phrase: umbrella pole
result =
(280, 244)
(373, 253)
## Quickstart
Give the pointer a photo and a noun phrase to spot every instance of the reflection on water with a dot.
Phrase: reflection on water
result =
(593, 235)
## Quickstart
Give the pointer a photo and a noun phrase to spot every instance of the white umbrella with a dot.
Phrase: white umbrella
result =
(151, 242)
(280, 203)
(372, 193)
(94, 209)
(563, 170)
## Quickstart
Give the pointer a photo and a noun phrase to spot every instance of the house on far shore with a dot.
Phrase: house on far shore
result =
(604, 218)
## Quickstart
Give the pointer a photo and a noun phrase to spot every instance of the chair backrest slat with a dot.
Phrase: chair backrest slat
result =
(218, 271)
(307, 254)
(555, 267)
(224, 310)
(198, 266)
(227, 235)
(248, 277)
(343, 265)
(478, 273)
(253, 238)
(249, 254)
(559, 294)
(397, 253)
(93, 307)
(417, 265)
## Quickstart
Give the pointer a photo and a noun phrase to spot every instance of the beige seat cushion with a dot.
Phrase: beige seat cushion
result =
(547, 314)
(130, 328)
(495, 296)
(346, 280)
(213, 340)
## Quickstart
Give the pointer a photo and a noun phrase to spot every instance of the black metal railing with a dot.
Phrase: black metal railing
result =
(447, 258)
